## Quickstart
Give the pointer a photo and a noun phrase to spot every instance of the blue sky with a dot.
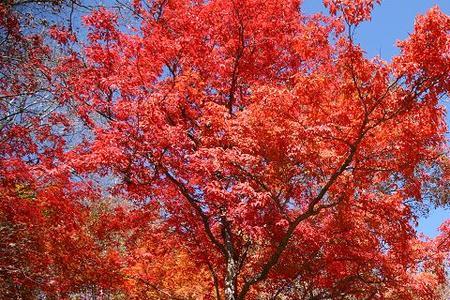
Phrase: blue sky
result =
(392, 21)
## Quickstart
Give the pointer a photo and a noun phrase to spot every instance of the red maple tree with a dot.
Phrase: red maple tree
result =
(246, 145)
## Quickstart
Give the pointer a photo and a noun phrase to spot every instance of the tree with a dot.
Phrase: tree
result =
(46, 245)
(258, 147)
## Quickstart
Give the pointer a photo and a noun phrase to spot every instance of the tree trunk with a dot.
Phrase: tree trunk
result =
(231, 280)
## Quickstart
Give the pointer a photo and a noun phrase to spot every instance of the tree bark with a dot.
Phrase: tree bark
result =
(232, 260)
(231, 279)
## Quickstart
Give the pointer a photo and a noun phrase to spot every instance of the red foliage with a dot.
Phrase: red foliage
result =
(245, 145)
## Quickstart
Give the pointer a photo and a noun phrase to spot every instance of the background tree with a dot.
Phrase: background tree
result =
(46, 245)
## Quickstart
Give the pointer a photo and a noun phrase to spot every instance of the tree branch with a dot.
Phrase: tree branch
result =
(194, 203)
